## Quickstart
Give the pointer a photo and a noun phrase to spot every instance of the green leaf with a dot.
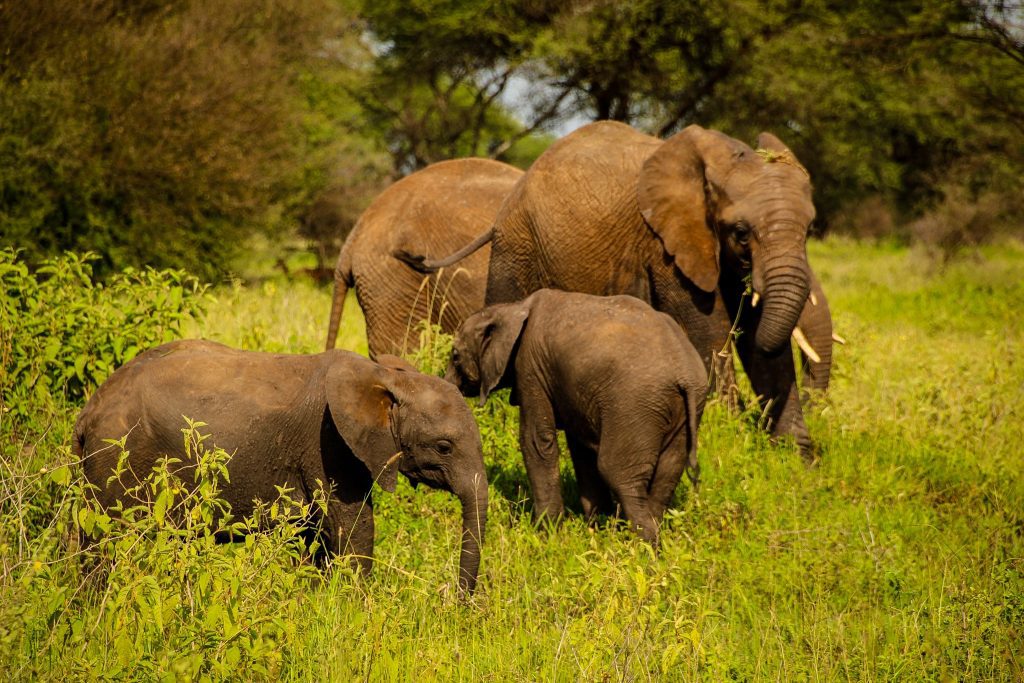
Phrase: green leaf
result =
(124, 648)
(61, 476)
(163, 500)
(51, 350)
(86, 520)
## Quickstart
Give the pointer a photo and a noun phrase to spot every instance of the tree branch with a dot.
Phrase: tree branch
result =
(537, 122)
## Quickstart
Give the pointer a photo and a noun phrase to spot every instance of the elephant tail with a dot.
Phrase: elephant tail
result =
(78, 440)
(693, 399)
(342, 281)
(421, 264)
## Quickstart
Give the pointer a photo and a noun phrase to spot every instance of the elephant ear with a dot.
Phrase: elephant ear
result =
(772, 144)
(362, 401)
(498, 338)
(672, 195)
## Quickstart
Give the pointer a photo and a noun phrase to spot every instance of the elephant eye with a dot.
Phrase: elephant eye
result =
(444, 447)
(742, 233)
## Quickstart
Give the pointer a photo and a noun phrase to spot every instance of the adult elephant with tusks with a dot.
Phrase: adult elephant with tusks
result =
(332, 421)
(690, 224)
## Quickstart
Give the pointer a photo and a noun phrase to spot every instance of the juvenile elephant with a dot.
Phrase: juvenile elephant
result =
(683, 224)
(333, 419)
(434, 211)
(621, 379)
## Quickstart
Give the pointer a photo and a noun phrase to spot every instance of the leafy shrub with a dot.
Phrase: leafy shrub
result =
(153, 594)
(61, 334)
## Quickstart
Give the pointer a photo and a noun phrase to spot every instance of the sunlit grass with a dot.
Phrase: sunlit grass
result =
(281, 316)
(900, 556)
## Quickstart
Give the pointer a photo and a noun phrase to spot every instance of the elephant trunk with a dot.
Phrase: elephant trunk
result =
(786, 280)
(474, 523)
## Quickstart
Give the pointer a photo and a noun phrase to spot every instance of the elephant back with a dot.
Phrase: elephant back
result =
(433, 211)
(572, 222)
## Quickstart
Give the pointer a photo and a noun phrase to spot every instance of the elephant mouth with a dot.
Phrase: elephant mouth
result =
(429, 474)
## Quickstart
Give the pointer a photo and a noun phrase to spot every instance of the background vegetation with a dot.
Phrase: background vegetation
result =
(899, 556)
(166, 132)
(168, 143)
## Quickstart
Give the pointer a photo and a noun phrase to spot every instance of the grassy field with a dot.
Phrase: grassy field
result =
(900, 556)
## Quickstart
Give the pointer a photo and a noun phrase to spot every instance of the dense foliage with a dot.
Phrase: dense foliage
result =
(897, 557)
(910, 103)
(144, 591)
(159, 133)
(61, 334)
(164, 133)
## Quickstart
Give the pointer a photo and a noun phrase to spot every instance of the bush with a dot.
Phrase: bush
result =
(153, 595)
(61, 334)
(960, 221)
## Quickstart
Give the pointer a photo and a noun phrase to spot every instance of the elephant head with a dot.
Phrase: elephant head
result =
(716, 204)
(483, 347)
(398, 420)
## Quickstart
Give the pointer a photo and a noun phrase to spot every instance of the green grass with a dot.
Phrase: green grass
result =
(900, 556)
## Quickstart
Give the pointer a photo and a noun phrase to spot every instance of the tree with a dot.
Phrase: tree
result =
(156, 133)
(435, 91)
(873, 96)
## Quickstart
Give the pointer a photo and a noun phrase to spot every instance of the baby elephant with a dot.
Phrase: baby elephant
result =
(621, 379)
(332, 419)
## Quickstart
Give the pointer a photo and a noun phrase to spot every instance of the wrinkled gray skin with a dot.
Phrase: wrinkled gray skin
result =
(295, 420)
(621, 379)
(679, 223)
(434, 211)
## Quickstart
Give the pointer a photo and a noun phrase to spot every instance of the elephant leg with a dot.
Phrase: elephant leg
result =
(348, 521)
(510, 274)
(538, 438)
(668, 471)
(704, 318)
(773, 378)
(350, 531)
(628, 466)
(636, 510)
(595, 496)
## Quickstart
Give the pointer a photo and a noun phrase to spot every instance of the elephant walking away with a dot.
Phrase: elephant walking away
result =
(686, 224)
(435, 211)
(620, 378)
(334, 420)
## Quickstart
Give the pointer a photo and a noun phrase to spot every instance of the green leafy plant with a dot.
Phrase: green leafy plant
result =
(151, 592)
(62, 334)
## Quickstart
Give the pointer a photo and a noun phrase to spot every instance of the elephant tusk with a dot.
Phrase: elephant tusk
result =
(805, 345)
(837, 339)
(756, 298)
(814, 299)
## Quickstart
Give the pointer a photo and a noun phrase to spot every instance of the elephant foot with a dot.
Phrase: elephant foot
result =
(809, 450)
(549, 518)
